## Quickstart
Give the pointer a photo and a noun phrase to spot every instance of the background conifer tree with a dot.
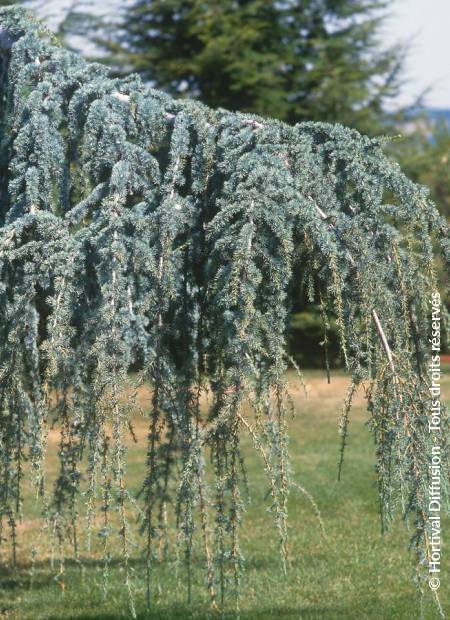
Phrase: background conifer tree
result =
(294, 60)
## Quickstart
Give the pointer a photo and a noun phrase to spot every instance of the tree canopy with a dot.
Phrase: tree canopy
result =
(149, 234)
(295, 60)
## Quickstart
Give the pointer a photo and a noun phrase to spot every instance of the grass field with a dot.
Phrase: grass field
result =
(356, 573)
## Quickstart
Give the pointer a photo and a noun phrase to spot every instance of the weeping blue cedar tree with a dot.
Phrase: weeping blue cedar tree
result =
(139, 232)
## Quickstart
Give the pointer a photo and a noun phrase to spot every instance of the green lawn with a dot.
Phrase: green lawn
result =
(355, 574)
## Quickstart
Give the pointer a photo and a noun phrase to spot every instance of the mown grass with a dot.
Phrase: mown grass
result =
(355, 573)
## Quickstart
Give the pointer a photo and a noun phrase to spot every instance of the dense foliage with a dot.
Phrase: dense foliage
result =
(296, 60)
(142, 233)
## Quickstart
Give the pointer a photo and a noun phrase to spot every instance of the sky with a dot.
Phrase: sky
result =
(422, 24)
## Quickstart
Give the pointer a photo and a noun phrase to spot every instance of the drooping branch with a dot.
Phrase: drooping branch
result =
(376, 319)
(384, 341)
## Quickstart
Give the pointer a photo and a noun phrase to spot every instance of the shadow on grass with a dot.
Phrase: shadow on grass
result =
(183, 613)
(364, 605)
(369, 609)
(43, 575)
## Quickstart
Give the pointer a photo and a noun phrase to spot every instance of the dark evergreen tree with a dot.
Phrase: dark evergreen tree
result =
(139, 231)
(294, 60)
